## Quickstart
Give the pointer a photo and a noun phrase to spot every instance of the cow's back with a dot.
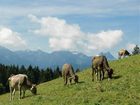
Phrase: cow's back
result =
(67, 70)
(122, 51)
(97, 61)
(16, 80)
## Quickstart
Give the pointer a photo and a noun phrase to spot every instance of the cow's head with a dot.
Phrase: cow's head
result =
(110, 73)
(76, 78)
(34, 89)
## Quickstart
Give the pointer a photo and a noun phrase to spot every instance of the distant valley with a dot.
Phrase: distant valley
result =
(44, 59)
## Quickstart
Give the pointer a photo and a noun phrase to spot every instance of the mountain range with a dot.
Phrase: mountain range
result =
(44, 59)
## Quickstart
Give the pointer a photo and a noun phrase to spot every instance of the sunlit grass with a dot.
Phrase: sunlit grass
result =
(123, 89)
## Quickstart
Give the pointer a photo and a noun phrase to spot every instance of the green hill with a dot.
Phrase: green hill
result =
(123, 89)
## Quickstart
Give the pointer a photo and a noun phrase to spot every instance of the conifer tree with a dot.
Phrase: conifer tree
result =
(136, 50)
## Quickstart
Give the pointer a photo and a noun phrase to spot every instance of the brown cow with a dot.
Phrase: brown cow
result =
(100, 64)
(122, 53)
(20, 82)
(68, 73)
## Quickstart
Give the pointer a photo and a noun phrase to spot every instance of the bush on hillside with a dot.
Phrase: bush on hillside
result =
(136, 50)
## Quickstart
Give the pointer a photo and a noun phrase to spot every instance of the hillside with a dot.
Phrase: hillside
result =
(123, 89)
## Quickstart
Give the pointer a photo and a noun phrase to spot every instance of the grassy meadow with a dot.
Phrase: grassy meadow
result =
(123, 89)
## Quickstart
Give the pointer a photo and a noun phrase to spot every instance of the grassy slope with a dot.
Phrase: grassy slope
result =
(124, 89)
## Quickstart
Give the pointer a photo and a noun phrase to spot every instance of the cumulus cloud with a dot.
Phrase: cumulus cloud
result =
(104, 39)
(54, 27)
(11, 39)
(130, 46)
(65, 36)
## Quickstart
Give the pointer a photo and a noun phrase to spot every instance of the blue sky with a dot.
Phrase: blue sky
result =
(87, 26)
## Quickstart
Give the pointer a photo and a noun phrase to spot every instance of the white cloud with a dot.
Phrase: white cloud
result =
(11, 39)
(64, 36)
(54, 27)
(33, 18)
(60, 44)
(130, 46)
(104, 39)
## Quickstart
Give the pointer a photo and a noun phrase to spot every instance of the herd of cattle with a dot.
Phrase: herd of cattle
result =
(100, 65)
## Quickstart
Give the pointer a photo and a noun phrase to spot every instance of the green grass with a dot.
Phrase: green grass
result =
(123, 89)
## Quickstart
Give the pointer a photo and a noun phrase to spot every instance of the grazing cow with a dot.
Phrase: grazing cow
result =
(20, 82)
(68, 73)
(123, 53)
(100, 64)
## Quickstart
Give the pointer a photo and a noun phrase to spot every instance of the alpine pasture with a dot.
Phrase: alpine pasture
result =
(123, 89)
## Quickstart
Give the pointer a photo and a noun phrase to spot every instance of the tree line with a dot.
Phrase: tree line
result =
(35, 74)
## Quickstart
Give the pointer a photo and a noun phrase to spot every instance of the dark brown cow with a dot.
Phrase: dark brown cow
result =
(68, 73)
(100, 64)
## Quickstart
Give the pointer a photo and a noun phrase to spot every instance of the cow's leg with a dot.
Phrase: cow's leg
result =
(119, 56)
(100, 73)
(20, 92)
(97, 73)
(23, 93)
(11, 91)
(103, 74)
(93, 71)
(123, 55)
(100, 69)
(70, 79)
(66, 80)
